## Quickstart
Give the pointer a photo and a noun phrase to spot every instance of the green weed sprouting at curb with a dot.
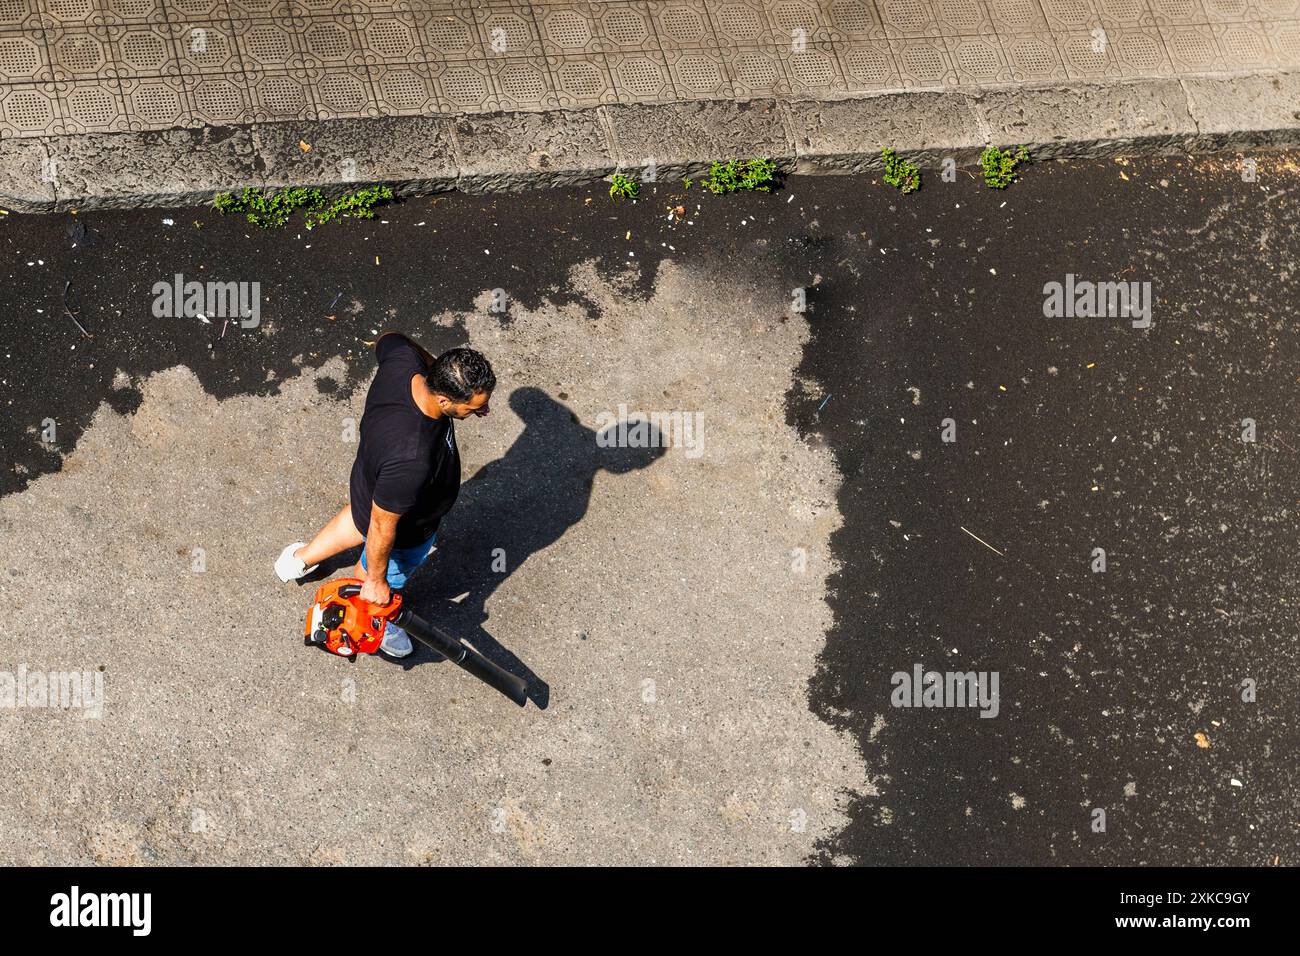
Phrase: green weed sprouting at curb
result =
(267, 210)
(358, 205)
(746, 175)
(622, 187)
(899, 173)
(1000, 165)
(272, 210)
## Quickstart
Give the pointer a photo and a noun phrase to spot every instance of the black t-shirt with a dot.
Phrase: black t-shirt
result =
(407, 462)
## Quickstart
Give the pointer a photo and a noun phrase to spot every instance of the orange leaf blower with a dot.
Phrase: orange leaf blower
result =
(343, 624)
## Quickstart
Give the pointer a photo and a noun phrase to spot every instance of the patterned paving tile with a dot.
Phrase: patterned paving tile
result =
(179, 11)
(129, 12)
(699, 74)
(448, 33)
(1033, 58)
(391, 37)
(1285, 37)
(1087, 54)
(157, 101)
(205, 47)
(1139, 51)
(853, 20)
(1017, 17)
(465, 86)
(508, 31)
(144, 49)
(626, 28)
(31, 109)
(814, 69)
(1172, 12)
(1192, 48)
(1227, 11)
(1064, 16)
(800, 22)
(755, 72)
(908, 19)
(91, 106)
(642, 77)
(1123, 13)
(270, 44)
(581, 81)
(260, 9)
(868, 65)
(570, 29)
(218, 100)
(924, 62)
(743, 23)
(23, 15)
(979, 60)
(109, 65)
(24, 58)
(404, 90)
(1249, 44)
(680, 24)
(281, 95)
(523, 83)
(962, 18)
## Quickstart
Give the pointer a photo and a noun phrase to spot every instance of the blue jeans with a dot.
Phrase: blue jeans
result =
(402, 562)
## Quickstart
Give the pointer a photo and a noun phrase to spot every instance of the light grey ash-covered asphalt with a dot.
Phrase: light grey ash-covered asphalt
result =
(700, 694)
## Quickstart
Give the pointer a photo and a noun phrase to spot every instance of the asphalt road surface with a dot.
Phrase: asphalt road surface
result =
(711, 631)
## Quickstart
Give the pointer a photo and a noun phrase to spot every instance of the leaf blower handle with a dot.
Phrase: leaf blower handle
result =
(354, 590)
(457, 652)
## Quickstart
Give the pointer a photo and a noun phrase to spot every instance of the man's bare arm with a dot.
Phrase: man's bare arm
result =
(379, 545)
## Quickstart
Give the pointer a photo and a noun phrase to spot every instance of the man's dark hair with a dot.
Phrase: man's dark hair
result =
(460, 374)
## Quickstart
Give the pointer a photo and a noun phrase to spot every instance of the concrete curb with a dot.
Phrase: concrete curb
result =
(509, 151)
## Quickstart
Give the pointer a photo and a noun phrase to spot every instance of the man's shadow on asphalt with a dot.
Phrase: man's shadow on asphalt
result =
(512, 508)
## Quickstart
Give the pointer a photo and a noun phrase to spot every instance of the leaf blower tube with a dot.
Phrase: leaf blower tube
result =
(458, 652)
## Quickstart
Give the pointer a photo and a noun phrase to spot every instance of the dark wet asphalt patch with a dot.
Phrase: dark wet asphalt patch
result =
(1071, 434)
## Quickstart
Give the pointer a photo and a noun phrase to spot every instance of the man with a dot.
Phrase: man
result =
(407, 472)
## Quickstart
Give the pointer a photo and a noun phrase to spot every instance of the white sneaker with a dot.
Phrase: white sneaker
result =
(288, 567)
(396, 643)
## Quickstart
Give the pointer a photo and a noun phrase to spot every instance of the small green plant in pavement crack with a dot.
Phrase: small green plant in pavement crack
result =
(268, 210)
(999, 165)
(744, 175)
(623, 187)
(358, 205)
(272, 210)
(899, 173)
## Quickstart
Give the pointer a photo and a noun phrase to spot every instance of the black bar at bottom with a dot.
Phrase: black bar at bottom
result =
(916, 909)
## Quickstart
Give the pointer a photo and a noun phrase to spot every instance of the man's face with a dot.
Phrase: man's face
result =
(478, 405)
